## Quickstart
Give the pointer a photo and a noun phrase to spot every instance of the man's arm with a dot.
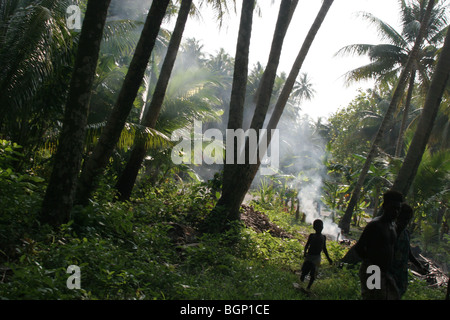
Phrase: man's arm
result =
(416, 262)
(361, 245)
(325, 250)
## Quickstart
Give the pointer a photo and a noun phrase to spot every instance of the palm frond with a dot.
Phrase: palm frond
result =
(153, 138)
(388, 52)
(412, 13)
(377, 70)
(433, 173)
(220, 8)
(32, 35)
(121, 36)
(385, 31)
(355, 49)
(439, 36)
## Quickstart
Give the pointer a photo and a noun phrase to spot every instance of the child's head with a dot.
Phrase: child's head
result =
(318, 225)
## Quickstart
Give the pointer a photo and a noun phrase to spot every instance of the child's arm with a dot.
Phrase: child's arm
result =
(308, 243)
(325, 250)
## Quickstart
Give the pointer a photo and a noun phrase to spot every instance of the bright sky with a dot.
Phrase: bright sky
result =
(340, 28)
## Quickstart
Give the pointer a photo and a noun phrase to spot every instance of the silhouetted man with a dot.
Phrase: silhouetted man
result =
(402, 251)
(376, 248)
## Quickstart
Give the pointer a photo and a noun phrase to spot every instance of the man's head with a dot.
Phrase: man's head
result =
(405, 215)
(392, 203)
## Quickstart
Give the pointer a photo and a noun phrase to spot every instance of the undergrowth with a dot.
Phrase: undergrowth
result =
(128, 251)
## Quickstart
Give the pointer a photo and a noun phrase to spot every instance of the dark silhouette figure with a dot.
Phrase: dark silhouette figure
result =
(447, 296)
(402, 251)
(376, 248)
(314, 246)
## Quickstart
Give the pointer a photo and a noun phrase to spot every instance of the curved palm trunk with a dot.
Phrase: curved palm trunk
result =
(243, 175)
(116, 120)
(413, 158)
(127, 179)
(59, 196)
(398, 148)
(344, 223)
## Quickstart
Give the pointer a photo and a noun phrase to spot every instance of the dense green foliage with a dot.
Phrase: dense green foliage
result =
(135, 250)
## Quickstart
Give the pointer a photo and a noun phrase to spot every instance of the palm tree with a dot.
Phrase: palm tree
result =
(371, 119)
(221, 64)
(128, 176)
(116, 120)
(237, 99)
(127, 179)
(59, 195)
(388, 59)
(303, 89)
(399, 145)
(416, 150)
(36, 53)
(344, 224)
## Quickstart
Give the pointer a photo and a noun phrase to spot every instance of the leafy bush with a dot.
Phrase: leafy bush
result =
(20, 196)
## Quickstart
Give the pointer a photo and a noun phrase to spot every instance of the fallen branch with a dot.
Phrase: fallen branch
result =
(435, 276)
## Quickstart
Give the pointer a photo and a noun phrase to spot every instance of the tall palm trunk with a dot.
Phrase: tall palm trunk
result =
(128, 177)
(344, 223)
(116, 120)
(239, 176)
(401, 134)
(295, 70)
(243, 175)
(265, 89)
(59, 196)
(413, 158)
(240, 76)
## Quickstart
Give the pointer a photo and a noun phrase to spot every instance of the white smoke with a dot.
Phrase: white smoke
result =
(310, 204)
(308, 149)
(129, 9)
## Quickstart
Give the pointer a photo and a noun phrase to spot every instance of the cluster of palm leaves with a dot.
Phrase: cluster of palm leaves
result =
(387, 62)
(36, 52)
(389, 58)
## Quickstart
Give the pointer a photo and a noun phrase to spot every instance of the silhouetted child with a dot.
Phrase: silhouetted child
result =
(314, 246)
